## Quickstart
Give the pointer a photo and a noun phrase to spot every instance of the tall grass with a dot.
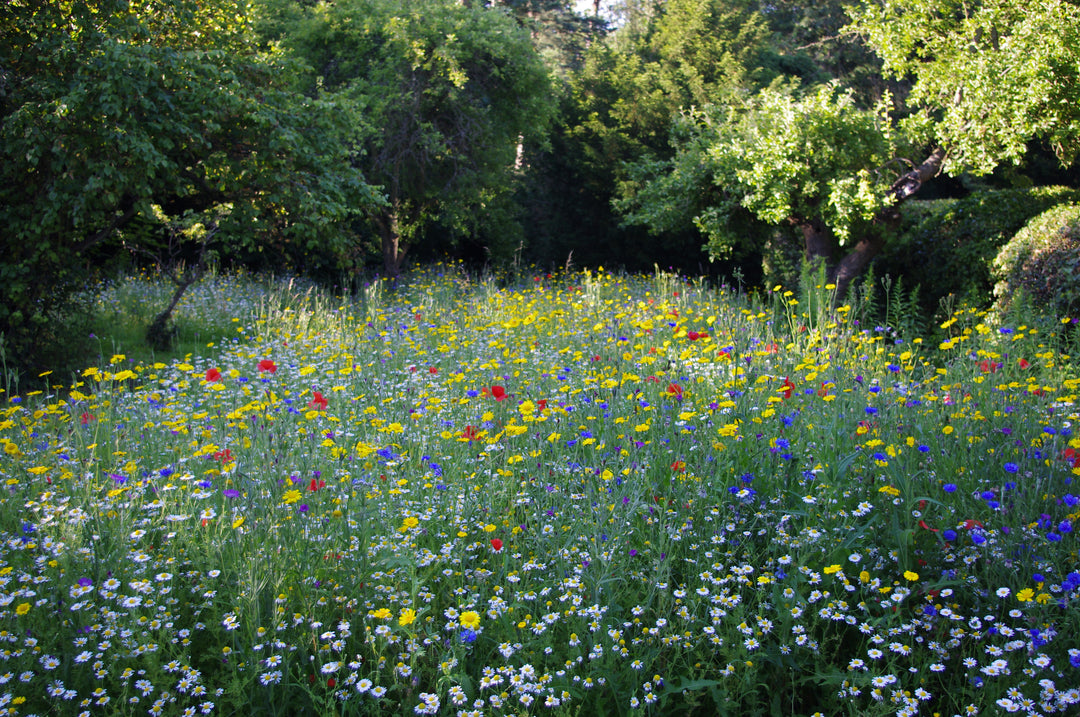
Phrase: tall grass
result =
(587, 494)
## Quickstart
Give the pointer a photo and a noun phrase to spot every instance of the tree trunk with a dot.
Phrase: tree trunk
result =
(818, 243)
(393, 250)
(854, 263)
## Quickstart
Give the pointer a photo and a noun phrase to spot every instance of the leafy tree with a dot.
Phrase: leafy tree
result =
(619, 107)
(111, 108)
(987, 78)
(773, 159)
(449, 94)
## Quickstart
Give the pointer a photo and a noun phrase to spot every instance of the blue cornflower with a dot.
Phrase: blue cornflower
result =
(949, 487)
(1011, 468)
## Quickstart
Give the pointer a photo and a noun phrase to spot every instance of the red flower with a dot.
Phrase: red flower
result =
(496, 544)
(470, 433)
(318, 402)
(212, 375)
(541, 404)
(498, 393)
(674, 390)
(85, 418)
(787, 387)
(223, 456)
(989, 366)
(679, 466)
(316, 484)
(1024, 363)
(268, 366)
(924, 526)
(331, 682)
(694, 335)
(432, 369)
(772, 348)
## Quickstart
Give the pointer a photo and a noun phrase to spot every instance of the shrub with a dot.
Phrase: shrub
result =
(1043, 262)
(946, 246)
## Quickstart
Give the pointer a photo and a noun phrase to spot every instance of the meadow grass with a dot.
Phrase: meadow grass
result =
(584, 494)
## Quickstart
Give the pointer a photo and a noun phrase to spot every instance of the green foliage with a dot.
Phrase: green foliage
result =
(109, 109)
(775, 159)
(1043, 262)
(988, 76)
(448, 93)
(946, 246)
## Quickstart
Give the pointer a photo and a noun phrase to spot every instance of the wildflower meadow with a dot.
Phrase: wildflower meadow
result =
(581, 494)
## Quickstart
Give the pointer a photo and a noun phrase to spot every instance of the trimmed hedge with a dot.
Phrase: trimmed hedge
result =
(947, 246)
(1043, 262)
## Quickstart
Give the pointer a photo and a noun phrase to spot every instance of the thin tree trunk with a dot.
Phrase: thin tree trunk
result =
(392, 249)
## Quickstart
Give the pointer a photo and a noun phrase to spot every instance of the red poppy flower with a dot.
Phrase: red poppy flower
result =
(1024, 363)
(85, 418)
(470, 433)
(989, 366)
(331, 682)
(212, 375)
(787, 387)
(498, 393)
(496, 544)
(318, 402)
(674, 390)
(772, 348)
(316, 484)
(694, 335)
(924, 526)
(267, 366)
(541, 404)
(223, 456)
(679, 466)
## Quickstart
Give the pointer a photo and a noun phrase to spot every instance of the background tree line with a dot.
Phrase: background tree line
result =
(329, 138)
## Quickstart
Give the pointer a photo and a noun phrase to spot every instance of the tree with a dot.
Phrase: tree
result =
(986, 79)
(619, 107)
(111, 108)
(816, 163)
(449, 94)
(988, 76)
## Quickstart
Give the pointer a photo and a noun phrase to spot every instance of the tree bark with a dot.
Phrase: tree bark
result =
(390, 234)
(818, 243)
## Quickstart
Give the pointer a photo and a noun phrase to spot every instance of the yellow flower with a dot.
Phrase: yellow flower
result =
(1025, 595)
(469, 619)
(832, 569)
(290, 496)
(910, 576)
(238, 522)
(381, 614)
(24, 608)
(407, 616)
(410, 522)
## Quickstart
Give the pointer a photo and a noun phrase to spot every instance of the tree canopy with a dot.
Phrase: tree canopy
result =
(449, 96)
(109, 109)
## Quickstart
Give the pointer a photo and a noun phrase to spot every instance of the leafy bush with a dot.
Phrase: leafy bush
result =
(946, 246)
(1043, 262)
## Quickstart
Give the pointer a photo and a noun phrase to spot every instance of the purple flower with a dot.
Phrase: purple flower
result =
(231, 493)
(632, 552)
(1011, 468)
(949, 487)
